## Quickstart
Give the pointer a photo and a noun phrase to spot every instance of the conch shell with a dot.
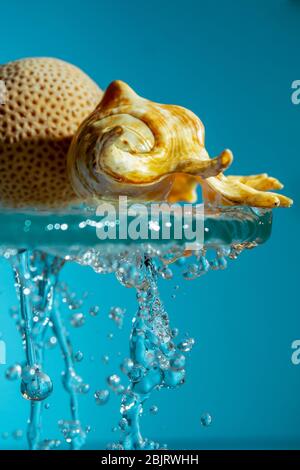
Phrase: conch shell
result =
(148, 151)
(132, 146)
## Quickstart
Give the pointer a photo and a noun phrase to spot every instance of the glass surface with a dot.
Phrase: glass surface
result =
(76, 228)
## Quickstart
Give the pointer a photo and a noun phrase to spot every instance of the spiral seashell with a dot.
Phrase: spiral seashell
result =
(132, 146)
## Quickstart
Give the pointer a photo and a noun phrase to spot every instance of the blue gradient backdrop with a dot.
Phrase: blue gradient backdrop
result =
(232, 63)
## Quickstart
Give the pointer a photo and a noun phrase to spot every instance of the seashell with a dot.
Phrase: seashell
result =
(149, 151)
(184, 188)
(135, 147)
(244, 190)
(231, 190)
(45, 102)
(127, 145)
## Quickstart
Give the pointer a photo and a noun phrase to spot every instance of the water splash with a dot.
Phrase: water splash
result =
(36, 280)
(157, 357)
(153, 361)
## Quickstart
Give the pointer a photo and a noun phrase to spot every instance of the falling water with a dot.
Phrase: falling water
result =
(157, 358)
(36, 280)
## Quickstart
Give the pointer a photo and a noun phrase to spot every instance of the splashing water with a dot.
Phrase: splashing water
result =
(36, 276)
(154, 359)
(157, 357)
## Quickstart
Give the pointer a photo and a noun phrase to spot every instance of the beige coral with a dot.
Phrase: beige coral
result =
(45, 102)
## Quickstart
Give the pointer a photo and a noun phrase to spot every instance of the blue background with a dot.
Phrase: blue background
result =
(232, 63)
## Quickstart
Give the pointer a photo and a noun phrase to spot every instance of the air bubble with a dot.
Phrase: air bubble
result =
(101, 397)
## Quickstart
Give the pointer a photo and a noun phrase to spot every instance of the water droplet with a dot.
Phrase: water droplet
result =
(5, 435)
(114, 382)
(78, 356)
(17, 434)
(117, 315)
(73, 433)
(49, 444)
(93, 311)
(84, 389)
(153, 410)
(186, 345)
(77, 320)
(206, 419)
(13, 372)
(174, 332)
(123, 424)
(105, 359)
(166, 272)
(192, 272)
(52, 342)
(116, 446)
(35, 385)
(101, 397)
(126, 365)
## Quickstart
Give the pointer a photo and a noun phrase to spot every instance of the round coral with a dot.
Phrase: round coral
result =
(44, 103)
